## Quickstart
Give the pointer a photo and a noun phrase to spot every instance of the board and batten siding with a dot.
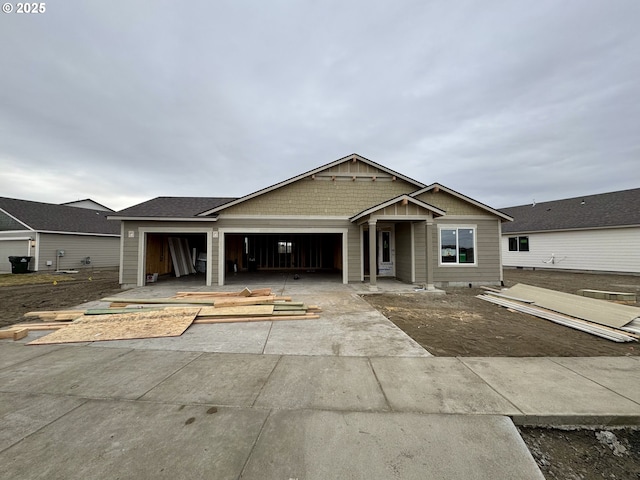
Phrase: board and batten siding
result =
(104, 251)
(488, 266)
(403, 252)
(606, 250)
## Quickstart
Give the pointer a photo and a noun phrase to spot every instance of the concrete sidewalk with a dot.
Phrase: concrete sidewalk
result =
(189, 409)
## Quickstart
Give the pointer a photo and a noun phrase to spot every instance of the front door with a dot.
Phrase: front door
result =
(386, 252)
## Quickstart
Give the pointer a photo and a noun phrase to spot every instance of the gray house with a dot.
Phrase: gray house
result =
(592, 233)
(352, 217)
(58, 237)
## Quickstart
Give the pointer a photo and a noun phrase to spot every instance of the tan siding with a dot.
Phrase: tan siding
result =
(323, 197)
(104, 251)
(420, 240)
(488, 256)
(354, 255)
(450, 204)
(403, 251)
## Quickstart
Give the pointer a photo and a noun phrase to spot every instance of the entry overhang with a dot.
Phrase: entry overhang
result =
(403, 207)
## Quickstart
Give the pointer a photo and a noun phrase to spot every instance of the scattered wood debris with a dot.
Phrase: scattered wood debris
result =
(618, 323)
(129, 318)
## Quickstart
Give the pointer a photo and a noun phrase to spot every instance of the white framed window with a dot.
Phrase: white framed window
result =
(457, 245)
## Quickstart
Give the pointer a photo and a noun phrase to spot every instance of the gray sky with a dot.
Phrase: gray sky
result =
(503, 101)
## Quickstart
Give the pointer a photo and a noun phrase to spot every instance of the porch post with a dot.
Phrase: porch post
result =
(373, 251)
(428, 230)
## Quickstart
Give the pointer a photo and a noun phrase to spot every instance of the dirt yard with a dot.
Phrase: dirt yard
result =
(23, 293)
(459, 324)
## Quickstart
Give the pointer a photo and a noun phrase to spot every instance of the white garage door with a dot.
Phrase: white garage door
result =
(11, 248)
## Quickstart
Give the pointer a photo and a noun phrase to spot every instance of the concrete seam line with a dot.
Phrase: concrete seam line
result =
(266, 340)
(384, 394)
(172, 374)
(592, 380)
(489, 385)
(253, 404)
(86, 400)
(246, 462)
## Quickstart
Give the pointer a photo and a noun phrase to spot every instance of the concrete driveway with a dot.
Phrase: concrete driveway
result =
(346, 396)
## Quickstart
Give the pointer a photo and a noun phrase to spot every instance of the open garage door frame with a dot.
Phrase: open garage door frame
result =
(275, 230)
(174, 231)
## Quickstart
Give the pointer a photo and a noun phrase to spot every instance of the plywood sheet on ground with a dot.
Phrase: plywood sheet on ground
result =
(591, 309)
(125, 326)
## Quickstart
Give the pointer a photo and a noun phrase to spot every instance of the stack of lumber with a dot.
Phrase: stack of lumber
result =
(151, 317)
(612, 321)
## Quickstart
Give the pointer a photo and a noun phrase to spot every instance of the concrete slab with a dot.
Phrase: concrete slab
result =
(541, 388)
(331, 383)
(12, 353)
(217, 379)
(22, 414)
(137, 440)
(320, 445)
(110, 374)
(367, 333)
(42, 373)
(437, 385)
(620, 374)
(222, 338)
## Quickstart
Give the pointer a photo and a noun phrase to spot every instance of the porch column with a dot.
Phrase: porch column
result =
(372, 253)
(428, 230)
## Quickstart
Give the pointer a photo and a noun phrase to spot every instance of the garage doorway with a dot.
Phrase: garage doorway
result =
(253, 255)
(164, 262)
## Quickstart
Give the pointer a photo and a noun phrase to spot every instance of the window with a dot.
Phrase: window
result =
(457, 246)
(520, 244)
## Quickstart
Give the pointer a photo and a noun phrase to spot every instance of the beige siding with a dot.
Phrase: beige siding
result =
(354, 254)
(130, 244)
(420, 239)
(322, 197)
(104, 251)
(450, 203)
(403, 251)
(488, 266)
(607, 250)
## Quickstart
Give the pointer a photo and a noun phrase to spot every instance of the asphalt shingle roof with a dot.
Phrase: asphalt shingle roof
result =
(591, 211)
(182, 207)
(59, 218)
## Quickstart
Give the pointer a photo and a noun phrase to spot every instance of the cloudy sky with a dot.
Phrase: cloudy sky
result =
(504, 101)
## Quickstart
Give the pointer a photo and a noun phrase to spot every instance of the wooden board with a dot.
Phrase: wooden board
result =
(308, 316)
(232, 301)
(237, 311)
(258, 292)
(123, 326)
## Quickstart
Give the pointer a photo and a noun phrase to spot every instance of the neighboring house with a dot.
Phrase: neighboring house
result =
(89, 204)
(58, 237)
(351, 216)
(594, 233)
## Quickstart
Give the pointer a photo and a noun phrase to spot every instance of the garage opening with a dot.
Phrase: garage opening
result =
(318, 253)
(176, 256)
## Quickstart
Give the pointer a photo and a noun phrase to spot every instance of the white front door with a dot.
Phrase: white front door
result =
(386, 252)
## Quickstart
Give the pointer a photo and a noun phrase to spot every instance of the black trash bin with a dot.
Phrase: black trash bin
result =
(20, 264)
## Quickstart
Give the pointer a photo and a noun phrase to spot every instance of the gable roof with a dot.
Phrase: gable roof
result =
(352, 157)
(171, 207)
(613, 209)
(38, 216)
(88, 203)
(436, 187)
(397, 199)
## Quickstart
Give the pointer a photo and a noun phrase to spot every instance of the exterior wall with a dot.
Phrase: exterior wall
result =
(607, 250)
(129, 261)
(420, 240)
(323, 197)
(15, 244)
(488, 268)
(103, 251)
(354, 254)
(450, 204)
(403, 251)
